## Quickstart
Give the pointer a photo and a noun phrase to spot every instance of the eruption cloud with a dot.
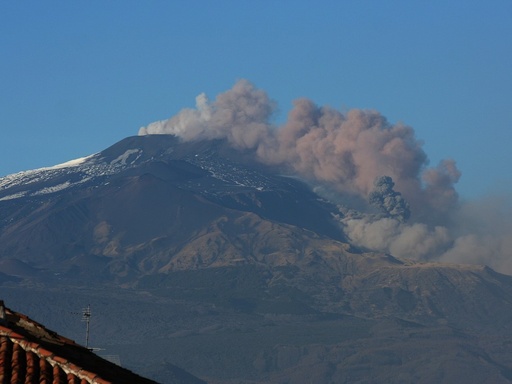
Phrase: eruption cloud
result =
(388, 200)
(359, 156)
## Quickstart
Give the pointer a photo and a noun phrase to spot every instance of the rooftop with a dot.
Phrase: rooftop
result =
(31, 353)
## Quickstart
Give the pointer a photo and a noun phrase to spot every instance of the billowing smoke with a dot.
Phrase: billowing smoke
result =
(478, 232)
(390, 202)
(240, 115)
(416, 240)
(358, 156)
(347, 152)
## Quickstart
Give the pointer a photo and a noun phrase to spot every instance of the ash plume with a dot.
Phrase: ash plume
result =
(239, 115)
(390, 202)
(345, 154)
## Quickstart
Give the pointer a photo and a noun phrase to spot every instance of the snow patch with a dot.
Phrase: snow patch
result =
(70, 163)
(122, 159)
(14, 196)
(55, 188)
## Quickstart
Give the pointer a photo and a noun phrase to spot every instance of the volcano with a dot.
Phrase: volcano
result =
(196, 254)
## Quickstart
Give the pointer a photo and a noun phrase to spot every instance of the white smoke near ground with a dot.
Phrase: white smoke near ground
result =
(240, 115)
(477, 232)
(188, 124)
(416, 240)
(358, 156)
(483, 234)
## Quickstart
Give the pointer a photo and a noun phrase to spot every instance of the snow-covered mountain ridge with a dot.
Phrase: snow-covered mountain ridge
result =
(97, 168)
(76, 171)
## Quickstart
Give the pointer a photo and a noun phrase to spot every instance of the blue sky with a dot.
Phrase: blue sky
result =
(76, 77)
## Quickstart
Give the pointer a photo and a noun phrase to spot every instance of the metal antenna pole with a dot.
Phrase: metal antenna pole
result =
(86, 316)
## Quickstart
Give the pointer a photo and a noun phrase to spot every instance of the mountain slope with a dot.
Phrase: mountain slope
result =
(138, 196)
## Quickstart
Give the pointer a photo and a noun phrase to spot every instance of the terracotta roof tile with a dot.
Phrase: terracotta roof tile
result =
(44, 370)
(60, 360)
(44, 353)
(90, 375)
(72, 379)
(100, 381)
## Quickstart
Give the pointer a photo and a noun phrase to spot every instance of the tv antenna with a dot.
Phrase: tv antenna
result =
(86, 317)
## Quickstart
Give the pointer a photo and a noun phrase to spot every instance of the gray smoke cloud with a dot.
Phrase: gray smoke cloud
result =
(390, 202)
(358, 156)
